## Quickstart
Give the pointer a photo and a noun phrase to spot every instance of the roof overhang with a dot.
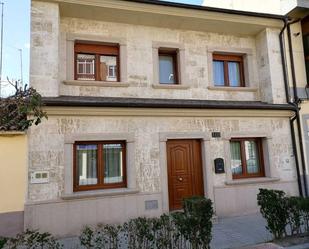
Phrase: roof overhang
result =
(169, 15)
(112, 106)
(300, 10)
(84, 101)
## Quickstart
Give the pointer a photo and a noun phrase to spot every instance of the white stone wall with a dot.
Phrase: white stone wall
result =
(139, 42)
(50, 59)
(44, 56)
(270, 66)
(46, 146)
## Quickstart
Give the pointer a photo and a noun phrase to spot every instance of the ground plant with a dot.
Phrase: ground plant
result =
(285, 215)
(189, 229)
(32, 240)
(2, 242)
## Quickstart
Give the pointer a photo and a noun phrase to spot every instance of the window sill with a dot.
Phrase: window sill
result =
(170, 86)
(252, 180)
(95, 83)
(236, 89)
(99, 193)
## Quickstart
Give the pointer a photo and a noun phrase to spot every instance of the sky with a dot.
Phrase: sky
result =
(16, 36)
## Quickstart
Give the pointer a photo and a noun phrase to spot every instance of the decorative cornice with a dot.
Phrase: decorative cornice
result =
(166, 112)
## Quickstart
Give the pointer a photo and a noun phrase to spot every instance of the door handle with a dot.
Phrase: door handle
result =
(180, 179)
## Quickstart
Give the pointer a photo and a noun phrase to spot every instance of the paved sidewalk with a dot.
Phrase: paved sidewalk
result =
(237, 232)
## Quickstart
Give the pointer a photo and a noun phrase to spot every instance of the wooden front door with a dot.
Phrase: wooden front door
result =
(185, 174)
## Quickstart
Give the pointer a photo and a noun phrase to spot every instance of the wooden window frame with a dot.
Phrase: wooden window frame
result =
(244, 174)
(173, 53)
(225, 58)
(97, 50)
(100, 167)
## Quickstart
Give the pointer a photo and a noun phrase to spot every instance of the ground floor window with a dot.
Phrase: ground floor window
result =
(246, 157)
(99, 165)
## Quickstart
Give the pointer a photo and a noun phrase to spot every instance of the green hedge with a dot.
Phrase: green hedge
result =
(32, 240)
(285, 216)
(190, 229)
(2, 242)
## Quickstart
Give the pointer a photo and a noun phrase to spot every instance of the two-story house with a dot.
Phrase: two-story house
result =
(149, 102)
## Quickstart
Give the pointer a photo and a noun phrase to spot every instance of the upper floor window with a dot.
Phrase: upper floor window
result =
(168, 66)
(99, 165)
(246, 157)
(228, 70)
(96, 62)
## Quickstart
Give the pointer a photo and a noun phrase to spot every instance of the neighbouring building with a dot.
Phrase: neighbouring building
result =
(149, 102)
(13, 181)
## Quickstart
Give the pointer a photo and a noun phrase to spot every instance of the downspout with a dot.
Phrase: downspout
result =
(287, 95)
(295, 103)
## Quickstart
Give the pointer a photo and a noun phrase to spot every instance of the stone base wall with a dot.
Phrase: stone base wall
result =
(11, 223)
(241, 199)
(68, 217)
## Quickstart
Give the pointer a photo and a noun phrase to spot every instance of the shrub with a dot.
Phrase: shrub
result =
(165, 233)
(304, 209)
(21, 110)
(294, 214)
(139, 233)
(284, 215)
(2, 242)
(103, 236)
(185, 230)
(33, 240)
(195, 223)
(274, 208)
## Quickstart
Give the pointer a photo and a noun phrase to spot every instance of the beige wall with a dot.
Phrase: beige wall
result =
(13, 168)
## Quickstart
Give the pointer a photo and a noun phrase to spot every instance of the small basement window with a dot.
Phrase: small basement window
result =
(95, 62)
(228, 70)
(168, 66)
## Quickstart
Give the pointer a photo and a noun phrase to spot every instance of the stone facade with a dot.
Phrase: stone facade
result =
(54, 207)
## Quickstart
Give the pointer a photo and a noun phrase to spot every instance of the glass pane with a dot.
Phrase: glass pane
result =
(166, 69)
(87, 164)
(218, 73)
(252, 157)
(108, 68)
(113, 170)
(85, 66)
(236, 158)
(234, 74)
